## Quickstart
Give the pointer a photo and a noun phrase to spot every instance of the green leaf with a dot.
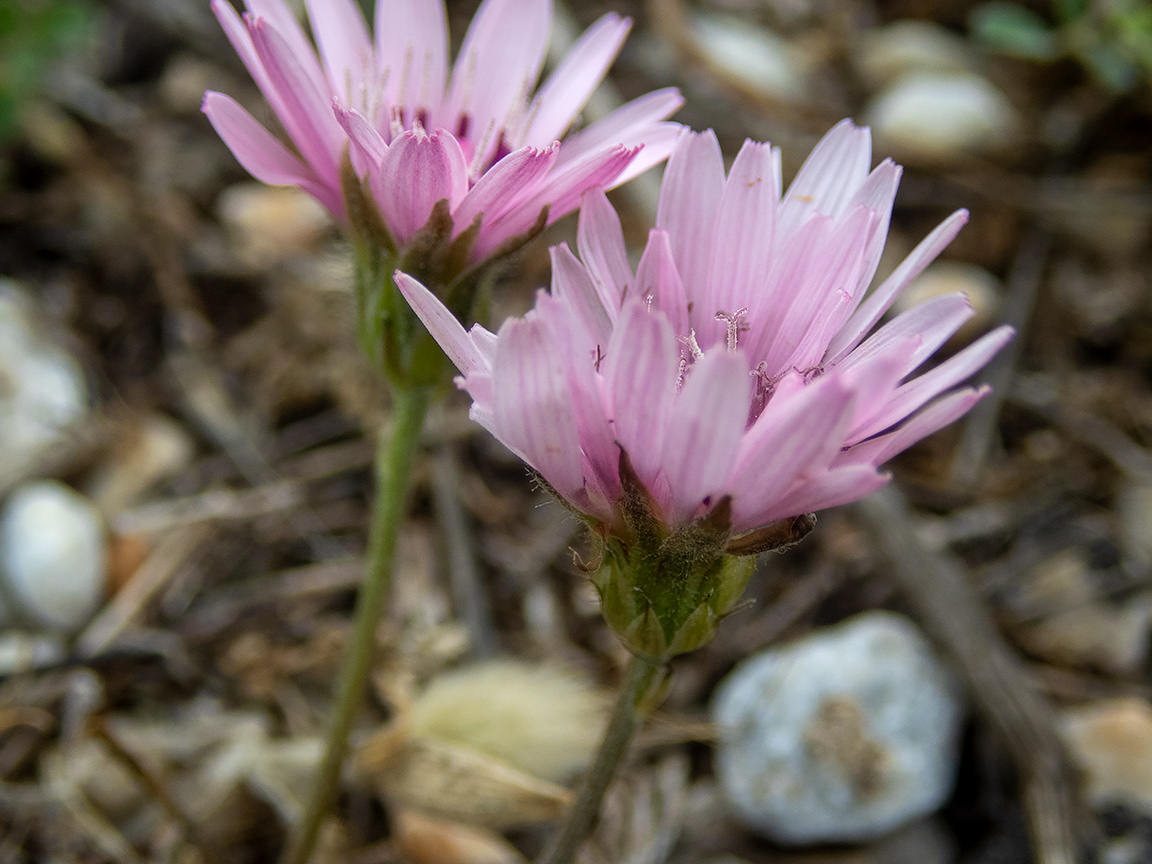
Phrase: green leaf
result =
(1014, 30)
(1070, 10)
(1111, 69)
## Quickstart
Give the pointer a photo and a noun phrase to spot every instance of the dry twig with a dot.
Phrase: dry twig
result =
(996, 679)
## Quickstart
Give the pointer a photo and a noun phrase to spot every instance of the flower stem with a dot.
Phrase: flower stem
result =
(642, 678)
(395, 455)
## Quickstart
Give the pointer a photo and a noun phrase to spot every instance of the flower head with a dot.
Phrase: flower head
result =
(735, 365)
(696, 409)
(476, 137)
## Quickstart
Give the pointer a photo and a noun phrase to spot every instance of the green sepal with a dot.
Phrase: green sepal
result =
(637, 509)
(364, 216)
(696, 632)
(731, 582)
(644, 636)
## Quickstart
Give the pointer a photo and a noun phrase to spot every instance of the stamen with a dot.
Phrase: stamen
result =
(764, 387)
(736, 325)
(406, 72)
(811, 373)
(597, 358)
(687, 358)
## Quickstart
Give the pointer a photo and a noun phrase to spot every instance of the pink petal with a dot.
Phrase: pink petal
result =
(952, 371)
(931, 323)
(513, 178)
(877, 194)
(593, 425)
(573, 284)
(878, 302)
(656, 144)
(571, 84)
(418, 170)
(309, 117)
(788, 296)
(640, 377)
(342, 35)
(561, 191)
(658, 281)
(945, 410)
(254, 147)
(601, 243)
(445, 328)
(287, 25)
(412, 55)
(836, 168)
(237, 33)
(635, 122)
(706, 428)
(532, 406)
(831, 300)
(745, 220)
(792, 436)
(497, 68)
(366, 147)
(689, 201)
(873, 381)
(831, 489)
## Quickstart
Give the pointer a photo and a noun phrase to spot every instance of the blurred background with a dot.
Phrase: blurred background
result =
(185, 440)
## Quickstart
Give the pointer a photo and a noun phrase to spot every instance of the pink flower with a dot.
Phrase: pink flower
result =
(420, 134)
(736, 361)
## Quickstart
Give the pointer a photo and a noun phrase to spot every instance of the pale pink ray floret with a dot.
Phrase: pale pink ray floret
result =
(476, 136)
(739, 359)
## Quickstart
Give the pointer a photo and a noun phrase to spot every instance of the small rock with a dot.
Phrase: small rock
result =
(946, 277)
(184, 81)
(841, 736)
(759, 59)
(53, 554)
(903, 47)
(1064, 617)
(1135, 510)
(149, 450)
(271, 223)
(1111, 638)
(942, 118)
(1111, 742)
(26, 652)
(43, 390)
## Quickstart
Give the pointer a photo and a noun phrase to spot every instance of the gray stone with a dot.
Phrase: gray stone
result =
(53, 554)
(844, 735)
(44, 392)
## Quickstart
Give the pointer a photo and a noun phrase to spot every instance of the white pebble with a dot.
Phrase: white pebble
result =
(26, 652)
(53, 554)
(904, 47)
(841, 736)
(759, 59)
(43, 390)
(942, 118)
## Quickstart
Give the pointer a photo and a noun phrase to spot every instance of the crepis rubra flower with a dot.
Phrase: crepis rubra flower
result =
(735, 364)
(476, 137)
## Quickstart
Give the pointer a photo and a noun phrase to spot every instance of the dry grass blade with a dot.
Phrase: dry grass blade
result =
(996, 679)
(166, 559)
(642, 816)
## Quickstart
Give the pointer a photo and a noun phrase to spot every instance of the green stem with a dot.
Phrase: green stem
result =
(642, 678)
(395, 455)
